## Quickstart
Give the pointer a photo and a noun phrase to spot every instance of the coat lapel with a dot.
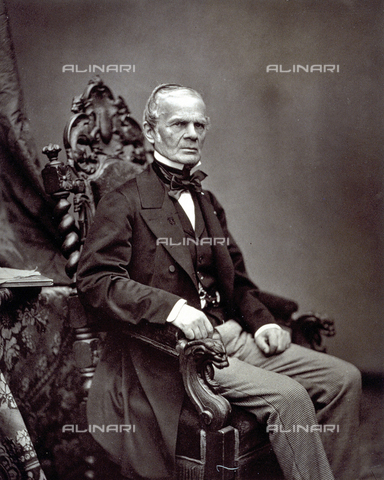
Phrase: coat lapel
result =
(159, 213)
(199, 220)
(223, 259)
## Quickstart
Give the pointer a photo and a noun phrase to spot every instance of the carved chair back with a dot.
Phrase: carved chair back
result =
(104, 147)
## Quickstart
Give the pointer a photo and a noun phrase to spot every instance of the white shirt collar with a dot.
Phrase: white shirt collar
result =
(170, 163)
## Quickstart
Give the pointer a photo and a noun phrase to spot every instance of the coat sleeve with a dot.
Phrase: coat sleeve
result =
(247, 306)
(105, 287)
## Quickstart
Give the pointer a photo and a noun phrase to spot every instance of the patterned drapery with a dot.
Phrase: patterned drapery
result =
(38, 367)
(18, 459)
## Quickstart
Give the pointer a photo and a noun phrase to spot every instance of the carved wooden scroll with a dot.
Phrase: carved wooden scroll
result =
(308, 330)
(197, 359)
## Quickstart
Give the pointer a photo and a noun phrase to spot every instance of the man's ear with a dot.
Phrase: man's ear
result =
(148, 132)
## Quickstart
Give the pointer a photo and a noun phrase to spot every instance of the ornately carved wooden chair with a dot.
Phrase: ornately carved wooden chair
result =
(105, 147)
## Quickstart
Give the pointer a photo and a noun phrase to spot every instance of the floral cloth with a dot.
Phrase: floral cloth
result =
(38, 367)
(18, 459)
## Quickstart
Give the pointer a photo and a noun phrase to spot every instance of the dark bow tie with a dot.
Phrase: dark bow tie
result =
(179, 181)
(192, 184)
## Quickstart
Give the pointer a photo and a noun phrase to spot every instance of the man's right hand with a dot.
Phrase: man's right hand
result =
(193, 323)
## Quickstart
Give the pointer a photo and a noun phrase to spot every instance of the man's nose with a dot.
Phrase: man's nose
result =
(191, 131)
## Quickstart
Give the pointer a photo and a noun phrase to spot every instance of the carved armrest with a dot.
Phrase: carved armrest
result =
(309, 328)
(196, 361)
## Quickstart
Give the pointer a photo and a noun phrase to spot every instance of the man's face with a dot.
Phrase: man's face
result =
(181, 128)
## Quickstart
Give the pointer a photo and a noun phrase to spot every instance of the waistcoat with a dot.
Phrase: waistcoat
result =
(200, 247)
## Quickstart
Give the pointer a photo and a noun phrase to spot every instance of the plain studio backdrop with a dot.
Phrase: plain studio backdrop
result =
(295, 158)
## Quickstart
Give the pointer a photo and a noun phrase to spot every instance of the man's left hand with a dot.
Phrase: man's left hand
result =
(273, 341)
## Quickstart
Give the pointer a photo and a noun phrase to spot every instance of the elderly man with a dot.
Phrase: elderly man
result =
(137, 265)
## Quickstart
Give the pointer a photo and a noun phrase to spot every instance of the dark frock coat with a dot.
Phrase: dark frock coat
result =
(128, 272)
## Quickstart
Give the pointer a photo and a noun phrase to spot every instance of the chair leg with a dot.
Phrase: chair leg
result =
(222, 454)
(191, 468)
(219, 453)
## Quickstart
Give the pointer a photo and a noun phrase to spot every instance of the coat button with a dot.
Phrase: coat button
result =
(172, 268)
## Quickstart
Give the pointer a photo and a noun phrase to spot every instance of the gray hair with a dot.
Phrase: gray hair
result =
(151, 110)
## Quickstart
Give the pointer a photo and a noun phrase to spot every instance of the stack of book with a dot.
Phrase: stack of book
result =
(13, 277)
